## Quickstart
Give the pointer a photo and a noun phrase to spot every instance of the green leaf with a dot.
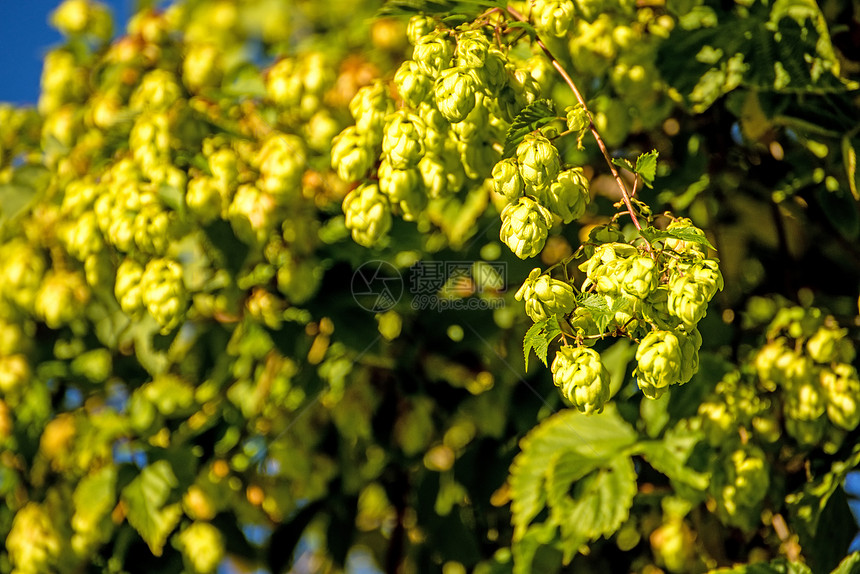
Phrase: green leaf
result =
(528, 28)
(850, 565)
(94, 499)
(145, 499)
(588, 506)
(652, 234)
(537, 114)
(807, 506)
(538, 337)
(585, 442)
(600, 310)
(670, 455)
(646, 167)
(784, 47)
(623, 163)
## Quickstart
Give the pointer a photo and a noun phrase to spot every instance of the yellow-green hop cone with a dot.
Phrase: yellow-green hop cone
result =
(127, 287)
(369, 108)
(507, 180)
(454, 94)
(441, 175)
(582, 378)
(202, 547)
(419, 26)
(639, 276)
(823, 346)
(433, 53)
(655, 309)
(688, 301)
(413, 85)
(33, 543)
(538, 160)
(403, 142)
(368, 214)
(690, 345)
(568, 195)
(203, 198)
(600, 235)
(689, 248)
(842, 389)
(805, 406)
(578, 122)
(163, 293)
(553, 16)
(659, 363)
(399, 184)
(739, 486)
(282, 162)
(525, 225)
(351, 155)
(62, 298)
(545, 297)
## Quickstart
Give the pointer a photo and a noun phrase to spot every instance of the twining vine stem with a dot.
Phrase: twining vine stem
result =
(625, 195)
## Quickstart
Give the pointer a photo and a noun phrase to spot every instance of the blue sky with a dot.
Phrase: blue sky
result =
(25, 36)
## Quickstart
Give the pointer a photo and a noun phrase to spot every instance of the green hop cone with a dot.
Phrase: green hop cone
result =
(454, 94)
(568, 195)
(399, 184)
(419, 26)
(553, 16)
(605, 267)
(690, 345)
(659, 363)
(433, 53)
(413, 85)
(369, 108)
(655, 309)
(545, 297)
(639, 277)
(602, 234)
(33, 543)
(442, 175)
(61, 298)
(127, 288)
(688, 300)
(582, 378)
(403, 142)
(824, 346)
(472, 49)
(805, 406)
(525, 225)
(538, 160)
(578, 122)
(739, 486)
(202, 546)
(351, 155)
(507, 180)
(688, 248)
(163, 293)
(582, 324)
(842, 389)
(368, 214)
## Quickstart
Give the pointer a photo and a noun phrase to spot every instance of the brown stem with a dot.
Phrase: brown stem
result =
(625, 194)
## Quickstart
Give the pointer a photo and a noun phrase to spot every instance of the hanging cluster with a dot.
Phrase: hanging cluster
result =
(807, 359)
(654, 293)
(456, 99)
